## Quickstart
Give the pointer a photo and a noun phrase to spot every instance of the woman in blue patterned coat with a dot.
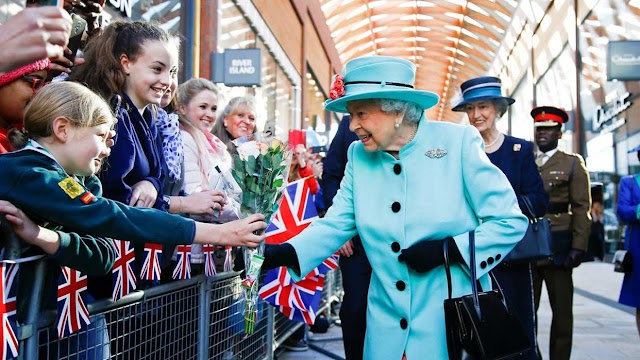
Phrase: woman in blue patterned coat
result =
(409, 186)
(484, 105)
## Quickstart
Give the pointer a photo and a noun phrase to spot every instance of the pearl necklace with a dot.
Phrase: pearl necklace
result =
(493, 142)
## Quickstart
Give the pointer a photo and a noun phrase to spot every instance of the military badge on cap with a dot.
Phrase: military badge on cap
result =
(548, 116)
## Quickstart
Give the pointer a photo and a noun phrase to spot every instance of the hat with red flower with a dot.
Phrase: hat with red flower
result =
(377, 77)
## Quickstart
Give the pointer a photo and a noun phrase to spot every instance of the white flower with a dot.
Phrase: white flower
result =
(249, 148)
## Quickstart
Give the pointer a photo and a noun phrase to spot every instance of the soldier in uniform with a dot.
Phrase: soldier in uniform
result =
(566, 180)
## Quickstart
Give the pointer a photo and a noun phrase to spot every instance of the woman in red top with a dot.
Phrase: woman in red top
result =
(305, 165)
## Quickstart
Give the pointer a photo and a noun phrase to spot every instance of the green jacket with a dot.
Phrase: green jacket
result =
(33, 181)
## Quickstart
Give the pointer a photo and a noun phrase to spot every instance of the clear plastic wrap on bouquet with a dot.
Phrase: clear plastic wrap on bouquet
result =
(260, 170)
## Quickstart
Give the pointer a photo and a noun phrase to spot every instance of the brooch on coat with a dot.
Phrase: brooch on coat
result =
(436, 153)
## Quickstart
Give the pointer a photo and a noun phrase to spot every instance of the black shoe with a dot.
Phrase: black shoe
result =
(295, 345)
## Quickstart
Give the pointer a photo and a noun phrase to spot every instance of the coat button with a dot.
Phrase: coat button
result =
(490, 260)
(400, 285)
(483, 264)
(498, 257)
(403, 323)
(395, 207)
(395, 246)
(397, 169)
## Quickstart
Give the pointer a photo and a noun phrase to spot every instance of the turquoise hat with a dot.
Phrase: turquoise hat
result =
(377, 77)
(480, 89)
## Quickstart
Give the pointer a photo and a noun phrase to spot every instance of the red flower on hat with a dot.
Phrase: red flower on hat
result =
(337, 87)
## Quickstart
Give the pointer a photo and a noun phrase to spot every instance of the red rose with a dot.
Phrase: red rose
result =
(337, 88)
(338, 82)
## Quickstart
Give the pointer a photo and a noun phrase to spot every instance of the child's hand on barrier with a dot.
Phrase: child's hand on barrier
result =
(29, 231)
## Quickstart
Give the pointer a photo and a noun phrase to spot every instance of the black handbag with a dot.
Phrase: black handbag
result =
(481, 324)
(536, 243)
(622, 261)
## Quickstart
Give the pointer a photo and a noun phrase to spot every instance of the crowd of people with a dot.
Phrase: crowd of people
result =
(113, 147)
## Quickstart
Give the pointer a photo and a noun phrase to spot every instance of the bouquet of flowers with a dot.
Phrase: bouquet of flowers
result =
(259, 169)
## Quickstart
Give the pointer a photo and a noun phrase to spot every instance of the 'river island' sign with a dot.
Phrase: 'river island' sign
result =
(237, 67)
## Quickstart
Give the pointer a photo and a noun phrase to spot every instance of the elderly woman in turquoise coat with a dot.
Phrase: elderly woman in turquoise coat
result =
(409, 186)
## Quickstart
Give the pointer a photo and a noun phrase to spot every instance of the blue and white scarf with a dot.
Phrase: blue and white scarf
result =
(172, 149)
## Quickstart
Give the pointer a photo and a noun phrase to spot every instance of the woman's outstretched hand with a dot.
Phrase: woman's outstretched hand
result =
(244, 232)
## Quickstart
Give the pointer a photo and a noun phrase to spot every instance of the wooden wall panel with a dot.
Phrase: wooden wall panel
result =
(317, 58)
(282, 19)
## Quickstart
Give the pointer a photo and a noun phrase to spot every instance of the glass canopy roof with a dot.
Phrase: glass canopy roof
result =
(449, 41)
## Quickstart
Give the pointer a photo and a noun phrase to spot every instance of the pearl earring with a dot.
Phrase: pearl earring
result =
(225, 124)
(397, 125)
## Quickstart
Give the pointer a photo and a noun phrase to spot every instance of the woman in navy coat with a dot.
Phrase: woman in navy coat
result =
(484, 105)
(409, 186)
(629, 213)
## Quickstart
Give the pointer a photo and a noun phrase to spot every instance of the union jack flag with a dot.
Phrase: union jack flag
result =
(182, 270)
(124, 279)
(309, 303)
(151, 265)
(209, 263)
(9, 348)
(72, 313)
(298, 301)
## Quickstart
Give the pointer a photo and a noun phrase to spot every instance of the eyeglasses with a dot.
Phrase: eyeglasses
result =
(36, 82)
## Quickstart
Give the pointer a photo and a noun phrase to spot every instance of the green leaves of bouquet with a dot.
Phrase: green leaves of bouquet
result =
(259, 170)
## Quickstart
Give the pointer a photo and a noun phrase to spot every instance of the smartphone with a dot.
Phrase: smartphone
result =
(78, 27)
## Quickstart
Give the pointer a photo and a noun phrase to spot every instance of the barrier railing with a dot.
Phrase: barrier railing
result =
(199, 318)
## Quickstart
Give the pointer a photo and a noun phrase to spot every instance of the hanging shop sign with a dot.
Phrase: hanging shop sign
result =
(237, 67)
(608, 113)
(123, 5)
(623, 60)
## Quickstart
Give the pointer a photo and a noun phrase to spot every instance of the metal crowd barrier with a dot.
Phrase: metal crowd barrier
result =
(199, 318)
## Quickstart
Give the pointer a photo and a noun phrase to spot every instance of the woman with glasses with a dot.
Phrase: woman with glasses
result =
(17, 87)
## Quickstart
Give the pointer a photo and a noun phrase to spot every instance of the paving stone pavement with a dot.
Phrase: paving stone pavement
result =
(603, 329)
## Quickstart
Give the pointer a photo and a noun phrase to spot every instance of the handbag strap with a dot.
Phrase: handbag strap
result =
(474, 281)
(472, 269)
(527, 204)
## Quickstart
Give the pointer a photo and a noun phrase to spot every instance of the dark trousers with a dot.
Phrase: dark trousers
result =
(516, 283)
(560, 289)
(356, 275)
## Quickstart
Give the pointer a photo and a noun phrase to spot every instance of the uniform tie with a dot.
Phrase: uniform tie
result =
(540, 159)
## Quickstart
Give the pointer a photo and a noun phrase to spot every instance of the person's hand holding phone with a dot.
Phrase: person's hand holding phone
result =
(77, 34)
(33, 34)
(90, 10)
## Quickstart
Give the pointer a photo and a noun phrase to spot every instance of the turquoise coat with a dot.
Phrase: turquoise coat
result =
(394, 204)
